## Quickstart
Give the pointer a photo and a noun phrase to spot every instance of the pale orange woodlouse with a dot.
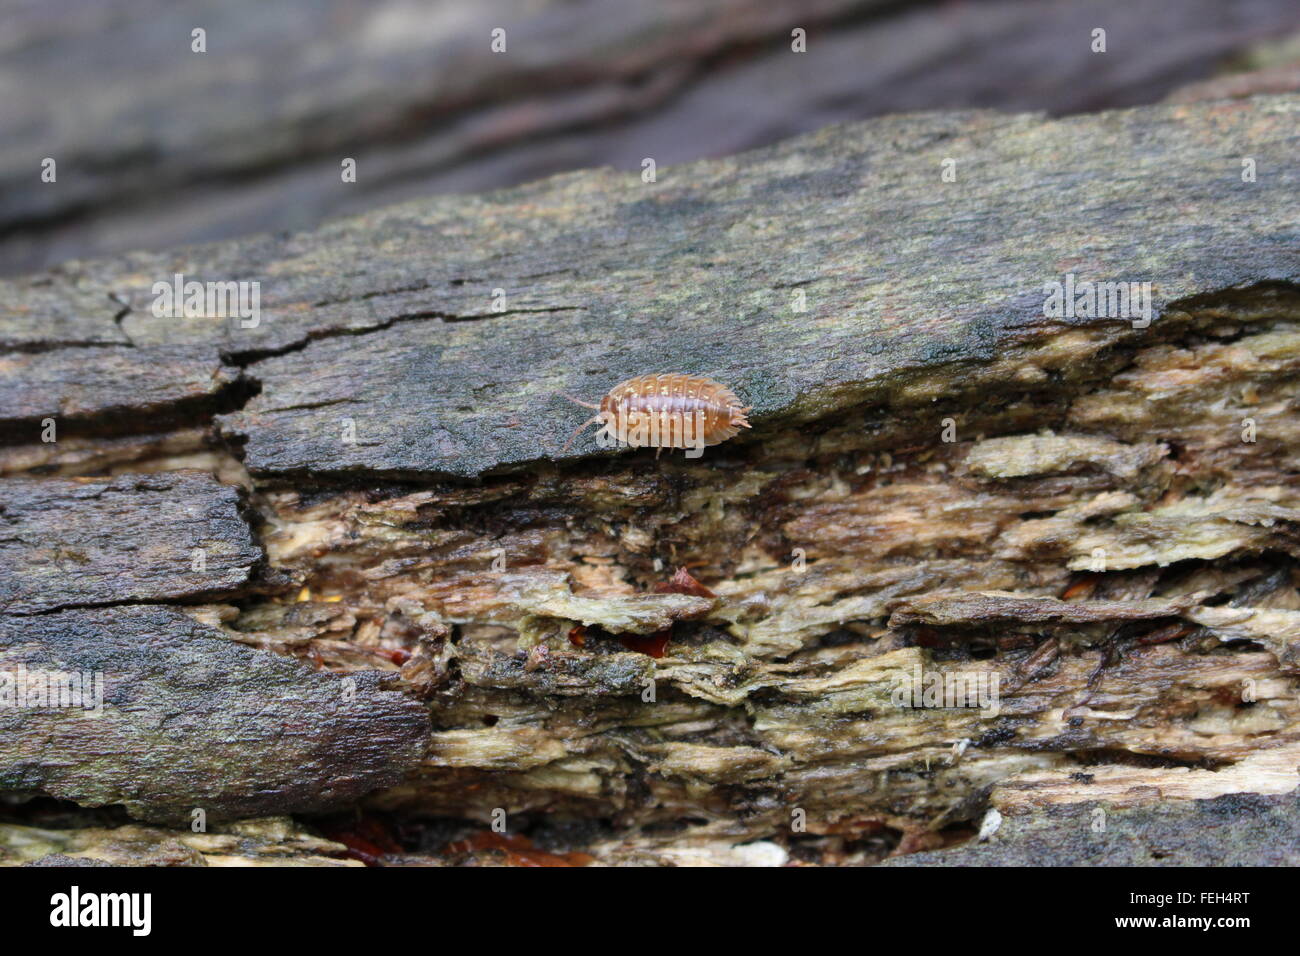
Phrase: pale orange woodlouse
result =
(666, 411)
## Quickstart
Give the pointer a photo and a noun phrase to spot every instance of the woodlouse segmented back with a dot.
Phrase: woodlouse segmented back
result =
(667, 411)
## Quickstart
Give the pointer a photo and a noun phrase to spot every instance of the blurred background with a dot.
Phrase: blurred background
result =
(156, 144)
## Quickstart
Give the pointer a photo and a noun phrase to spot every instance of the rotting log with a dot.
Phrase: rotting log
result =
(168, 536)
(189, 721)
(1101, 512)
(268, 841)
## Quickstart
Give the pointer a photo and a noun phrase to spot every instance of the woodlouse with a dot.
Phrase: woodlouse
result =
(666, 411)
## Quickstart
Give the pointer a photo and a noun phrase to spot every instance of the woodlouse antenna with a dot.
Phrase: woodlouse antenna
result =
(579, 430)
(578, 401)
